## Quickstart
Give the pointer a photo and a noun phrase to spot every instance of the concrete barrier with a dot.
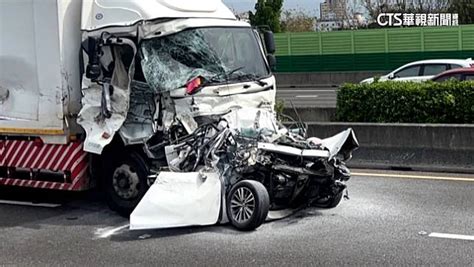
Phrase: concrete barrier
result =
(421, 147)
(312, 114)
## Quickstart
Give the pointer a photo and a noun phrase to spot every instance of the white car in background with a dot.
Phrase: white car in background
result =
(424, 70)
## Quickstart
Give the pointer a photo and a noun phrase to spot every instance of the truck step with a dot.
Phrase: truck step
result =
(34, 164)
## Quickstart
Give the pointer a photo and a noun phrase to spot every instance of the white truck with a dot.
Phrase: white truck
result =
(90, 90)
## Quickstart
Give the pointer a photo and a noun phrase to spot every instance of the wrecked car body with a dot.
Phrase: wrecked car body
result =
(185, 102)
(253, 165)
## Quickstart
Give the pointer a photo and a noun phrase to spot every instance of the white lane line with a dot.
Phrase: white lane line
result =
(286, 90)
(29, 204)
(424, 177)
(452, 236)
(109, 231)
(306, 96)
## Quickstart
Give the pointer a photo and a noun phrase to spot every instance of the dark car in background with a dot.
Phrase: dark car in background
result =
(460, 74)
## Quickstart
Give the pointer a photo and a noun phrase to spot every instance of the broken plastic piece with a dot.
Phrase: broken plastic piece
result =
(145, 236)
(346, 195)
(187, 121)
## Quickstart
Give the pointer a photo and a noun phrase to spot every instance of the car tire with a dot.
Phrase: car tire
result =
(332, 201)
(248, 203)
(125, 181)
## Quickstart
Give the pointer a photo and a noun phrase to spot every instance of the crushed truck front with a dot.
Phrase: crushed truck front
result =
(153, 78)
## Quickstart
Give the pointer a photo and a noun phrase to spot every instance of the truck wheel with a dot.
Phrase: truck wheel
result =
(247, 205)
(125, 182)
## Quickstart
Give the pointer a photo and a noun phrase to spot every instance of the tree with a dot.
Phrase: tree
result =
(267, 12)
(297, 21)
(349, 10)
(465, 9)
(430, 6)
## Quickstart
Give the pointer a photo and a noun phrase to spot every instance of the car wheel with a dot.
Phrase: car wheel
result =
(330, 202)
(248, 203)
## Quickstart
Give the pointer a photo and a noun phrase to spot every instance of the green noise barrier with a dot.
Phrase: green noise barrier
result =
(370, 50)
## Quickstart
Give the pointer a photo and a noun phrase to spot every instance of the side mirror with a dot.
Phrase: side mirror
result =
(272, 62)
(391, 76)
(269, 41)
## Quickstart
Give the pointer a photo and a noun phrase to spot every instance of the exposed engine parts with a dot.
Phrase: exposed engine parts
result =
(249, 145)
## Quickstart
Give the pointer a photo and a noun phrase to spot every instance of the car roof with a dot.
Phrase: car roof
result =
(443, 61)
(456, 71)
(462, 62)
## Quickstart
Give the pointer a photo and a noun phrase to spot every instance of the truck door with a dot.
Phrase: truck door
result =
(30, 65)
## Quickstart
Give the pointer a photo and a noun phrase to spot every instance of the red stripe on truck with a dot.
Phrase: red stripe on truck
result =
(68, 160)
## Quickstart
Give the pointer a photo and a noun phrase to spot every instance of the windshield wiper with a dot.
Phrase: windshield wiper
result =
(224, 74)
(245, 77)
(251, 78)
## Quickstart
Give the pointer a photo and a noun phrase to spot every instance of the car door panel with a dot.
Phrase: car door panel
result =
(429, 71)
(409, 73)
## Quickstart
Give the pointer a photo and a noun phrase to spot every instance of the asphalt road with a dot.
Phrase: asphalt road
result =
(388, 220)
(318, 96)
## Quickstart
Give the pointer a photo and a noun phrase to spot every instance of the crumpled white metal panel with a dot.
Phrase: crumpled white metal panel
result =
(335, 143)
(179, 199)
(210, 102)
(100, 134)
(99, 130)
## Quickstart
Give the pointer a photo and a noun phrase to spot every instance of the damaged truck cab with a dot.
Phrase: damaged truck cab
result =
(152, 70)
(174, 94)
(96, 88)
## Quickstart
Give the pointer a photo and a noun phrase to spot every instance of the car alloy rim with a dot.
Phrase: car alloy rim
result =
(242, 204)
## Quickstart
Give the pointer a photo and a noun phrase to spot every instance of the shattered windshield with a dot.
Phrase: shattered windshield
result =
(219, 55)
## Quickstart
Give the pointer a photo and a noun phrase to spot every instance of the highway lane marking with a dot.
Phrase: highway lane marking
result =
(306, 96)
(29, 204)
(326, 97)
(109, 231)
(299, 90)
(423, 177)
(452, 236)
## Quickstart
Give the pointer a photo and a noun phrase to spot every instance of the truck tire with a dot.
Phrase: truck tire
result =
(248, 203)
(125, 182)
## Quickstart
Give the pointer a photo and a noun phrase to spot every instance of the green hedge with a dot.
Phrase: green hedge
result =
(384, 102)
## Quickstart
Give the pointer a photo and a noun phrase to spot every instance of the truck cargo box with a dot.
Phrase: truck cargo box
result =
(39, 63)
